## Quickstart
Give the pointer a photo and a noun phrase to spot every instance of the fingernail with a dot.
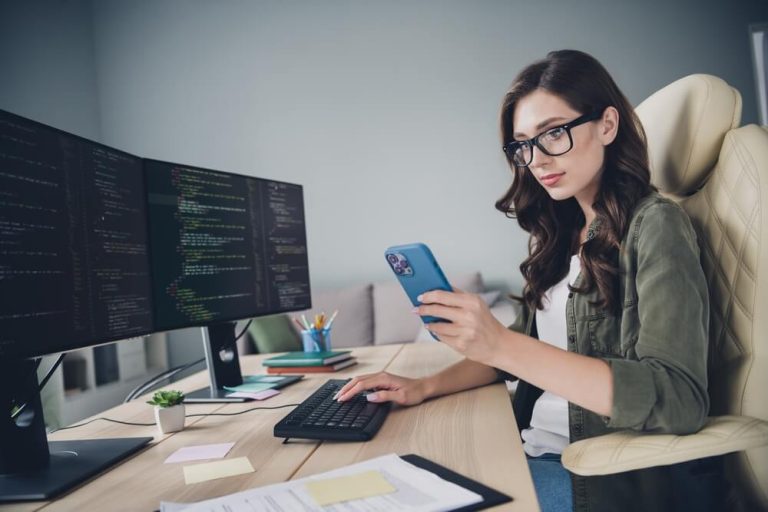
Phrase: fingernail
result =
(415, 311)
(336, 395)
(372, 397)
(419, 298)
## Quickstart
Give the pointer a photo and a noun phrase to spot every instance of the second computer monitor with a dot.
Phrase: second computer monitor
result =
(224, 246)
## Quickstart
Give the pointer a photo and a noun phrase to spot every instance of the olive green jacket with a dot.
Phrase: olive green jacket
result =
(657, 351)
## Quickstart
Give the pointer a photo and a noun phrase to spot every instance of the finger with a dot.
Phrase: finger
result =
(368, 382)
(359, 385)
(437, 310)
(444, 329)
(385, 396)
(442, 297)
(350, 383)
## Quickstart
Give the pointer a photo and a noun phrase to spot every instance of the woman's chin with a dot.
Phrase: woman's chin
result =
(558, 194)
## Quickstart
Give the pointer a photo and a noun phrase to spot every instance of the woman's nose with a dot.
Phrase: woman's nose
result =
(539, 158)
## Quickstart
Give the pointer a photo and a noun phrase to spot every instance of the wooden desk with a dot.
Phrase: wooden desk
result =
(472, 432)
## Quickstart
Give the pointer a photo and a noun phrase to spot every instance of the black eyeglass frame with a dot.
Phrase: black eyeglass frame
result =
(509, 147)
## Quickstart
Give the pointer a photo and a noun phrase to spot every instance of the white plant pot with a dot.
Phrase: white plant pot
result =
(170, 419)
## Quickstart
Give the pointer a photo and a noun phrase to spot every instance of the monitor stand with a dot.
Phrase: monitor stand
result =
(31, 468)
(223, 365)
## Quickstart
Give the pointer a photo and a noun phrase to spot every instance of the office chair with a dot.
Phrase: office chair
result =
(718, 172)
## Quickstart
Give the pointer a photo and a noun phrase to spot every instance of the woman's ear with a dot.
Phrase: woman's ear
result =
(608, 126)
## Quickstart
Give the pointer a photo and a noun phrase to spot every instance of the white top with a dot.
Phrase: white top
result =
(549, 423)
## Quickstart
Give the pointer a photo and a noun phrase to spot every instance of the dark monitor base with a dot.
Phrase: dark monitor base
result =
(206, 395)
(71, 463)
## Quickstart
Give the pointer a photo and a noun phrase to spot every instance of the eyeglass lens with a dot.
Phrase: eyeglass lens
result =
(553, 142)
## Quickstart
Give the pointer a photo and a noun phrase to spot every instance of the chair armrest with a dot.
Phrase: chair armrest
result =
(628, 450)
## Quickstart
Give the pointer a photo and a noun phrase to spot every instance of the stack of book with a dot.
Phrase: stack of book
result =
(310, 362)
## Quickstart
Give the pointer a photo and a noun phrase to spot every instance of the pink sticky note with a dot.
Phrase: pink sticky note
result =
(259, 395)
(200, 452)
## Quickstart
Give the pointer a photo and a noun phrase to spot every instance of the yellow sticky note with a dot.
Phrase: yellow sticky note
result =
(219, 469)
(346, 488)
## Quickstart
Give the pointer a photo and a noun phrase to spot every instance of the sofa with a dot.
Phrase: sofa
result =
(375, 313)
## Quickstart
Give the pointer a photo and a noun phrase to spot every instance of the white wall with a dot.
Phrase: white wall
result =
(47, 69)
(385, 111)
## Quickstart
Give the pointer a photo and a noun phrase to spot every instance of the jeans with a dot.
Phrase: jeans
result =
(552, 483)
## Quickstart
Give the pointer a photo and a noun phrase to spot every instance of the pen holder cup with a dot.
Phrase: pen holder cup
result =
(316, 340)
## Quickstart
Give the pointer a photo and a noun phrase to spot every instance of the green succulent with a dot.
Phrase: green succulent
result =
(166, 398)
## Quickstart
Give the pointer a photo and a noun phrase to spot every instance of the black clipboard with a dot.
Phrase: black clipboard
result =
(491, 497)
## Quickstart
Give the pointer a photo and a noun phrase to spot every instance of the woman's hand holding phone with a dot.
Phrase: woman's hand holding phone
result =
(471, 328)
(463, 318)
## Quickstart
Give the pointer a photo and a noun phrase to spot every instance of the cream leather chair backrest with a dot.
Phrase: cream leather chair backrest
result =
(719, 174)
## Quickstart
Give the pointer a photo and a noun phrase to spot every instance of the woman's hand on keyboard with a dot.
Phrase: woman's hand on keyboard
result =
(384, 387)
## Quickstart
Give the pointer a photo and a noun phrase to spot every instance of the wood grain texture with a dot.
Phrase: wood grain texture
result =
(472, 432)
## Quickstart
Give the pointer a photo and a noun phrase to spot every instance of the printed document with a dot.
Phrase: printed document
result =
(416, 490)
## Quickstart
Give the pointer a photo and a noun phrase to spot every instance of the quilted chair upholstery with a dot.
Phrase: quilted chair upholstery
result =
(718, 172)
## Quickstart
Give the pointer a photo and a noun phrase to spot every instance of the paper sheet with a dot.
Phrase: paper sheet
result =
(200, 452)
(347, 488)
(219, 469)
(417, 490)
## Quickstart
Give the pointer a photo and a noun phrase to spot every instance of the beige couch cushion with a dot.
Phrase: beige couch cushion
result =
(353, 326)
(394, 321)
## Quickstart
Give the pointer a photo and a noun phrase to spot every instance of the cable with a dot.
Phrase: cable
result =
(187, 416)
(141, 388)
(167, 374)
(48, 375)
(51, 370)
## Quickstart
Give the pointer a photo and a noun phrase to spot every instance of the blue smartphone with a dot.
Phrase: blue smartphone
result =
(418, 272)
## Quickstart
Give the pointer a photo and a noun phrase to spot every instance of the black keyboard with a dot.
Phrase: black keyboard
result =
(322, 417)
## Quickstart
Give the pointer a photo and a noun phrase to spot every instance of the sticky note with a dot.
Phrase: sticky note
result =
(346, 488)
(219, 469)
(200, 452)
(261, 395)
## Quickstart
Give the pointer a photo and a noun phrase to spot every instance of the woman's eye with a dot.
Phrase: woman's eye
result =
(554, 133)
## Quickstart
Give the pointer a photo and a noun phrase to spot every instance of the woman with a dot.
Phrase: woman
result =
(613, 332)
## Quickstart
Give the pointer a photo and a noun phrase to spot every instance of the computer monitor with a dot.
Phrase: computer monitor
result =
(98, 245)
(74, 272)
(224, 247)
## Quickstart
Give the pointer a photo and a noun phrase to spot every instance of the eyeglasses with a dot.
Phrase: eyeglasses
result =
(553, 142)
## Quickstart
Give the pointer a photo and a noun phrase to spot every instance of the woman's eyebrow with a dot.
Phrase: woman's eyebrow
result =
(539, 126)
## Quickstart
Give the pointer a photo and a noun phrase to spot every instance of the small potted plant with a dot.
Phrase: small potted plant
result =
(169, 410)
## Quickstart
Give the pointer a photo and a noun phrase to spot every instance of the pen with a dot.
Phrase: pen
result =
(333, 317)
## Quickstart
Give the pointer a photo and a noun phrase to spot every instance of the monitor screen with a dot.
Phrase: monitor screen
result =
(74, 266)
(97, 245)
(224, 246)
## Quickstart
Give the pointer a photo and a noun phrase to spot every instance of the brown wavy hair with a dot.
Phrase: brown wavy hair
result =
(585, 85)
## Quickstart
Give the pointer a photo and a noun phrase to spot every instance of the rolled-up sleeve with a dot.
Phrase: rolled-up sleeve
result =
(665, 389)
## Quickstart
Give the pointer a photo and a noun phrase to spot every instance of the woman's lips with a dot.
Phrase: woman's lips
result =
(551, 179)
